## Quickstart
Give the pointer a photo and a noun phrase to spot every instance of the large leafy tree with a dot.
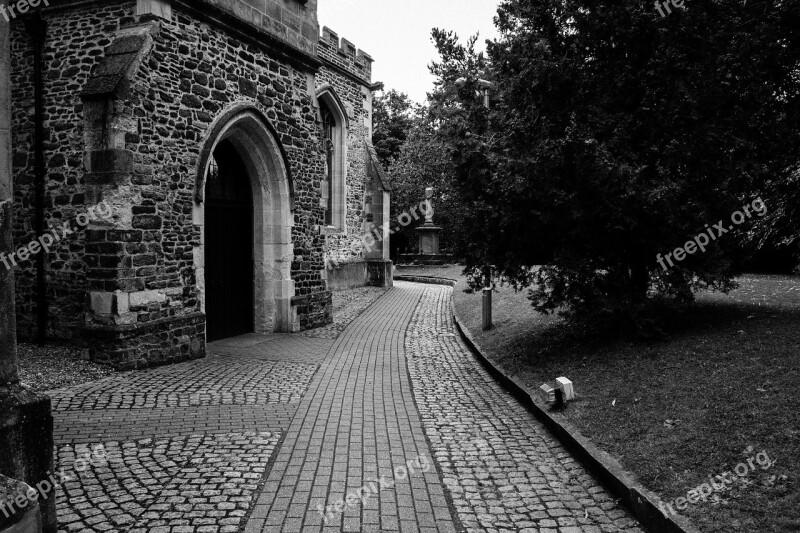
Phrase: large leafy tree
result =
(615, 135)
(393, 117)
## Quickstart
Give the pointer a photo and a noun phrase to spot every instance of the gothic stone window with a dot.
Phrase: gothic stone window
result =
(328, 132)
(334, 134)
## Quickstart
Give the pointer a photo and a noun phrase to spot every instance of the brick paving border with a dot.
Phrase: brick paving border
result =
(357, 423)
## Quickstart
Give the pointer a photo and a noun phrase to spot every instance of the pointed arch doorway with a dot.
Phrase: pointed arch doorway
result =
(243, 205)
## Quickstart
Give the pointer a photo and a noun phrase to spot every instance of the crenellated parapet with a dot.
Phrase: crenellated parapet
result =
(292, 21)
(343, 54)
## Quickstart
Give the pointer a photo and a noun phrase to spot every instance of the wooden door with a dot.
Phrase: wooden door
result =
(228, 246)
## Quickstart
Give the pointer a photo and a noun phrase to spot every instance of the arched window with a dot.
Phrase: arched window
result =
(334, 134)
(329, 145)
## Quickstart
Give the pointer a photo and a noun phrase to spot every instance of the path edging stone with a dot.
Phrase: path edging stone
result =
(642, 503)
(430, 280)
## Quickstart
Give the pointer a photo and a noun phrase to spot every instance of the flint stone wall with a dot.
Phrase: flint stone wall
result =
(127, 284)
(193, 72)
(349, 72)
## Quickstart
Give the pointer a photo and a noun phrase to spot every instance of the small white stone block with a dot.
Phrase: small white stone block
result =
(143, 298)
(123, 302)
(567, 388)
(547, 393)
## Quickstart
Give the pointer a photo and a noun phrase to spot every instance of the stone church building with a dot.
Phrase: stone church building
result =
(192, 163)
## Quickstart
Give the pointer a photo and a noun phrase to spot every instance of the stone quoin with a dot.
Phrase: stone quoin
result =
(232, 140)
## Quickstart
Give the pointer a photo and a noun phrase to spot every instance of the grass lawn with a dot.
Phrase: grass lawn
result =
(725, 387)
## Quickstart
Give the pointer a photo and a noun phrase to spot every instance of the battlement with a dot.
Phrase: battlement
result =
(344, 54)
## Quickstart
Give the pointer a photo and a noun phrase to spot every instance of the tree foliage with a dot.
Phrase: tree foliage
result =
(423, 162)
(779, 231)
(416, 158)
(393, 117)
(616, 135)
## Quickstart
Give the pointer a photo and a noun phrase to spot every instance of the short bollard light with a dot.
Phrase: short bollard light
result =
(563, 392)
(487, 323)
(568, 389)
(547, 393)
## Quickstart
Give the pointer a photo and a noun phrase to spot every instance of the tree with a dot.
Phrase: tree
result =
(616, 135)
(778, 233)
(393, 118)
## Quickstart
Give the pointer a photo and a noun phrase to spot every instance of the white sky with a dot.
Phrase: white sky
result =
(396, 33)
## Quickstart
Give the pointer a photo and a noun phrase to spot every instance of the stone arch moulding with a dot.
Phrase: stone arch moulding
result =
(327, 95)
(246, 127)
(214, 136)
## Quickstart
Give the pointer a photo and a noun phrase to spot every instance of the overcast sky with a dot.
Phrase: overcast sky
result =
(397, 34)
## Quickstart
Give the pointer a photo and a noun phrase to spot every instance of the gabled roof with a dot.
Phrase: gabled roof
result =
(112, 75)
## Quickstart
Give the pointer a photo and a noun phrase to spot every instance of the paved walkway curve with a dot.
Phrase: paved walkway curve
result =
(360, 421)
(391, 426)
(504, 470)
(356, 426)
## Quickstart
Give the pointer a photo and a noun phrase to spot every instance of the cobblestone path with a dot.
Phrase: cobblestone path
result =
(180, 448)
(504, 470)
(391, 426)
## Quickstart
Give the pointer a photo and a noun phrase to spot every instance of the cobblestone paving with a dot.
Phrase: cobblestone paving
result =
(76, 427)
(202, 483)
(212, 381)
(503, 469)
(392, 426)
(188, 444)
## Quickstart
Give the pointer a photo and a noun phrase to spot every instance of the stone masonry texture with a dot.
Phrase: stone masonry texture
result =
(130, 100)
(8, 348)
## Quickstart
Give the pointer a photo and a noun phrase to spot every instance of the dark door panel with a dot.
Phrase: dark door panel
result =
(228, 247)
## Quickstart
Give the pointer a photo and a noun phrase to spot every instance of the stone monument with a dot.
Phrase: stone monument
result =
(429, 239)
(429, 232)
